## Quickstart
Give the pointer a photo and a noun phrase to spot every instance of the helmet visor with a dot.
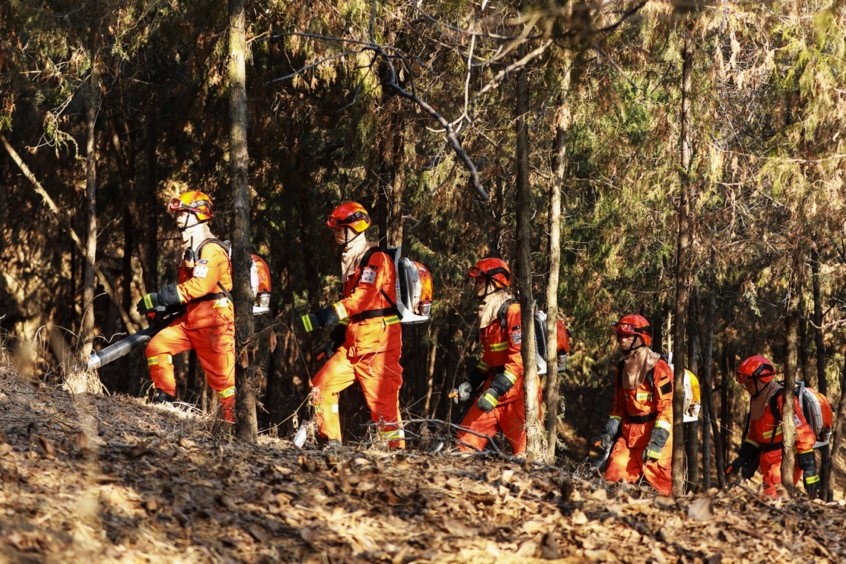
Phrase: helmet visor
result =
(624, 329)
(177, 205)
(475, 272)
(762, 371)
(334, 222)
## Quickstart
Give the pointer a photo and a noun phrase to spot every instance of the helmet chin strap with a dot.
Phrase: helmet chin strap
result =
(489, 284)
(189, 234)
(347, 239)
(758, 389)
(633, 348)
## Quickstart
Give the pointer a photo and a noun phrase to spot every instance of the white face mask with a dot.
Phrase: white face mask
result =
(188, 225)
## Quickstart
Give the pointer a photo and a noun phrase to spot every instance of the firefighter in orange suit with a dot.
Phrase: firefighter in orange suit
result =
(366, 340)
(641, 421)
(501, 404)
(208, 323)
(762, 444)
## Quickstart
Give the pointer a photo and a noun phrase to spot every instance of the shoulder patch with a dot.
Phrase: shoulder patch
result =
(368, 275)
(516, 335)
(201, 269)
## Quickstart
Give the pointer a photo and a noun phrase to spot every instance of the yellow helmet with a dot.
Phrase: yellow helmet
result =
(195, 202)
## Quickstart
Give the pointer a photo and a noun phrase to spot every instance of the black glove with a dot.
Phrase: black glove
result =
(602, 442)
(158, 301)
(805, 461)
(488, 400)
(501, 383)
(656, 444)
(321, 318)
(337, 336)
(605, 441)
(747, 461)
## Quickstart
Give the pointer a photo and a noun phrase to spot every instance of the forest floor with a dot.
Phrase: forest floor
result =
(110, 479)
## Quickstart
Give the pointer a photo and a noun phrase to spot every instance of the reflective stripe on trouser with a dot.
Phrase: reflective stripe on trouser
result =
(380, 377)
(626, 461)
(215, 348)
(770, 469)
(510, 418)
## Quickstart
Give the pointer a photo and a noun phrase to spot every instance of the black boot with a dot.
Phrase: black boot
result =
(162, 397)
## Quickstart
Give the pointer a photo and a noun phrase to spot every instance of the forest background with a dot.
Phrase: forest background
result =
(679, 159)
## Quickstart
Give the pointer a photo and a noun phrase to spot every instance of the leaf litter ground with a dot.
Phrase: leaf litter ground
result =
(110, 479)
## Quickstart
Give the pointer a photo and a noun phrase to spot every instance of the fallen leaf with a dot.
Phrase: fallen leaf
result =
(701, 509)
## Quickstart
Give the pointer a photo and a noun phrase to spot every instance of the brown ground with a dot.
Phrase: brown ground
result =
(109, 479)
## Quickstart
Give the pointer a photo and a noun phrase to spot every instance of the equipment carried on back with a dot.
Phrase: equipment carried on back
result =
(815, 407)
(259, 276)
(415, 290)
(562, 336)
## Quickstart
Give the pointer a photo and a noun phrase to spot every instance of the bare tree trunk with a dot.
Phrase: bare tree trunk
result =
(791, 367)
(245, 402)
(89, 281)
(706, 387)
(534, 430)
(683, 269)
(819, 334)
(562, 126)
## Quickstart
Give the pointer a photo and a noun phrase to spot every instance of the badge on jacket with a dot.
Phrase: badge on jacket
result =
(368, 275)
(516, 335)
(201, 269)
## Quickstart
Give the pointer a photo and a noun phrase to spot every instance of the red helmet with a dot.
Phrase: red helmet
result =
(349, 214)
(755, 368)
(194, 202)
(634, 324)
(492, 269)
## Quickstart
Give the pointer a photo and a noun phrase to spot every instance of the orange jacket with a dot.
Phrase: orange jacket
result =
(766, 432)
(369, 303)
(198, 286)
(501, 351)
(652, 400)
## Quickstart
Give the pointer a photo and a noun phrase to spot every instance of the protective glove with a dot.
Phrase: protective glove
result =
(747, 461)
(321, 318)
(810, 478)
(606, 440)
(159, 301)
(337, 336)
(656, 444)
(488, 400)
(462, 393)
(602, 442)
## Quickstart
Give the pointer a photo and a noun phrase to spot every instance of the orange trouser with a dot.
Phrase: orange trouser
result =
(215, 348)
(380, 377)
(626, 460)
(510, 418)
(770, 469)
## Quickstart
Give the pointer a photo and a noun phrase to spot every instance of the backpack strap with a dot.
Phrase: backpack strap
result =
(502, 314)
(778, 416)
(381, 312)
(224, 293)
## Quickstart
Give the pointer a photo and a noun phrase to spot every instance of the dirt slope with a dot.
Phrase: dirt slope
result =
(109, 479)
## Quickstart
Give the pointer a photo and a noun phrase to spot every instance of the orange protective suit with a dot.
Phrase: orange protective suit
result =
(370, 354)
(207, 326)
(766, 434)
(500, 352)
(640, 410)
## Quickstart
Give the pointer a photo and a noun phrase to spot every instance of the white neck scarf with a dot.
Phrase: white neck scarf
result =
(489, 307)
(352, 255)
